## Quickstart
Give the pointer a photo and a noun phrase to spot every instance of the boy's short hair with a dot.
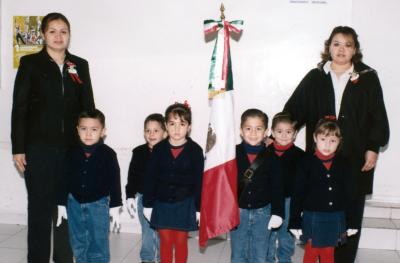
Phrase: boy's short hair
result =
(254, 113)
(284, 117)
(155, 117)
(93, 114)
(181, 110)
(328, 126)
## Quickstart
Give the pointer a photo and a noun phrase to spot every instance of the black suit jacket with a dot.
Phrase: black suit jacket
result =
(46, 104)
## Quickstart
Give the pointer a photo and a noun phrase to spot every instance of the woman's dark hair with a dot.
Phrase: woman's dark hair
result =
(93, 114)
(155, 117)
(254, 113)
(51, 17)
(347, 31)
(283, 117)
(181, 110)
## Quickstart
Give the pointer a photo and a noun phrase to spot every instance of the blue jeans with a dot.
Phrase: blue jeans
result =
(250, 239)
(150, 250)
(285, 249)
(89, 225)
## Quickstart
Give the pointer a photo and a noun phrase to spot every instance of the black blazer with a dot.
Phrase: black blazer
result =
(46, 104)
(266, 186)
(137, 170)
(362, 117)
(172, 180)
(317, 189)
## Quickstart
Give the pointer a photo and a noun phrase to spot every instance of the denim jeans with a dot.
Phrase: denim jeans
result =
(89, 225)
(285, 249)
(150, 250)
(250, 240)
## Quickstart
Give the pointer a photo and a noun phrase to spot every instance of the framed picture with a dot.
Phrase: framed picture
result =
(27, 36)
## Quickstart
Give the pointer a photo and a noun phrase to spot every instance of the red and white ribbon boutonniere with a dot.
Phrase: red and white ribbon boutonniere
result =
(73, 72)
(354, 77)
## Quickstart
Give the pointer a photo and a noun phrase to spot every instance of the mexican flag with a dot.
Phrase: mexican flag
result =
(219, 206)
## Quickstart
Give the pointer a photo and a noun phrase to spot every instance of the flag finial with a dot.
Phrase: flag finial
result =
(222, 9)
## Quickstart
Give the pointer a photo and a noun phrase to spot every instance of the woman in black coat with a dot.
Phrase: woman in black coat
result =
(51, 88)
(345, 87)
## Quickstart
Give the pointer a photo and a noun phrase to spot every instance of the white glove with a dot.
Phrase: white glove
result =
(296, 233)
(198, 217)
(131, 204)
(351, 232)
(61, 213)
(115, 219)
(274, 222)
(147, 213)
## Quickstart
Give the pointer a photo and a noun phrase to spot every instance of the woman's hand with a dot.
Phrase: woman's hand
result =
(371, 158)
(20, 161)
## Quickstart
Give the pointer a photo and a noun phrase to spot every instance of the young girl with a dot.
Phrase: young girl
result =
(173, 185)
(284, 132)
(154, 132)
(260, 191)
(320, 213)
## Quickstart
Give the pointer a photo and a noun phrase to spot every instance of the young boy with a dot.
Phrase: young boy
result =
(284, 132)
(260, 191)
(91, 190)
(154, 132)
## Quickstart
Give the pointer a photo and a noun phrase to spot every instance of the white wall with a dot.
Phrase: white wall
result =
(377, 24)
(145, 55)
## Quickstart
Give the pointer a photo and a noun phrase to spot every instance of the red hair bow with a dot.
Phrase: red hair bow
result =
(330, 117)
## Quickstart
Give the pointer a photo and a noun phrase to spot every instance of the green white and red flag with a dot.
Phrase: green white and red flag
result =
(219, 205)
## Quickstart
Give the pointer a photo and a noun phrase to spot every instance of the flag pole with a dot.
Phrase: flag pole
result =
(222, 9)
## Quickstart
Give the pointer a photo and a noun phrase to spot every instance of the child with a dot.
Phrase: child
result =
(154, 131)
(284, 132)
(92, 191)
(260, 191)
(321, 196)
(172, 185)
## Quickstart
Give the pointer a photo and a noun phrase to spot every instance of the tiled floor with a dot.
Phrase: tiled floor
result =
(125, 248)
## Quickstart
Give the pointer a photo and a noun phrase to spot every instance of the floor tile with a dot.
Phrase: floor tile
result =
(125, 248)
(378, 223)
(377, 255)
(7, 229)
(11, 255)
(16, 241)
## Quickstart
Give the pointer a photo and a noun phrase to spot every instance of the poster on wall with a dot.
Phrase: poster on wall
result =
(27, 37)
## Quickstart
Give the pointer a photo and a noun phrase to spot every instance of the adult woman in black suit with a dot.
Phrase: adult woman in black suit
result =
(51, 88)
(344, 87)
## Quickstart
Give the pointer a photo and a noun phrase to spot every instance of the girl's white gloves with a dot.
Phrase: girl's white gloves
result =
(198, 217)
(131, 206)
(296, 233)
(147, 213)
(274, 222)
(351, 232)
(115, 219)
(61, 213)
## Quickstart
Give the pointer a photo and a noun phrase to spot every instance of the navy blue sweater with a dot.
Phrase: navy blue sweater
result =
(89, 179)
(172, 180)
(137, 170)
(320, 190)
(266, 186)
(289, 160)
